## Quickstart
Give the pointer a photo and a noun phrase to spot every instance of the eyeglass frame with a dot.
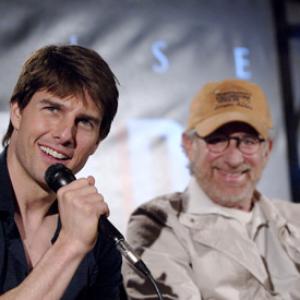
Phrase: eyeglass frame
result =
(239, 140)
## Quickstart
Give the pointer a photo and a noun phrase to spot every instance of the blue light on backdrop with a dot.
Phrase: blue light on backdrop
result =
(161, 52)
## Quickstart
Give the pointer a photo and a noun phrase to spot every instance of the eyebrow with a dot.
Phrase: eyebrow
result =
(46, 101)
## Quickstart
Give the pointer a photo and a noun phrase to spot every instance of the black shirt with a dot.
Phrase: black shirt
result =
(97, 277)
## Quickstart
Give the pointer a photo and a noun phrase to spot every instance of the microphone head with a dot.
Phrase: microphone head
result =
(58, 175)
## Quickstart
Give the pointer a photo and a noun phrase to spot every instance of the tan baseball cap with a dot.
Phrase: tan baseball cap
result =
(218, 103)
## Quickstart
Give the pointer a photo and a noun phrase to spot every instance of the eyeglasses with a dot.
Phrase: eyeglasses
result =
(218, 143)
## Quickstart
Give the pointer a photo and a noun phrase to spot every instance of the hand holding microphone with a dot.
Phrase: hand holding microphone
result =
(80, 206)
(58, 176)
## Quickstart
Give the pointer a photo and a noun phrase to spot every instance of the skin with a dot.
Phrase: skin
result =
(229, 178)
(53, 130)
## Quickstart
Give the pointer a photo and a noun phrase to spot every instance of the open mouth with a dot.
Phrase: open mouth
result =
(53, 153)
(233, 176)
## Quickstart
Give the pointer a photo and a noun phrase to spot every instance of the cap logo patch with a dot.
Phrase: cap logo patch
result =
(233, 98)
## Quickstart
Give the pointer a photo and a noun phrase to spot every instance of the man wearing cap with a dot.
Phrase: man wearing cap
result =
(220, 238)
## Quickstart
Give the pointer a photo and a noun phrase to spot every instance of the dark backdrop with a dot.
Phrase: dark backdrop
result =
(162, 51)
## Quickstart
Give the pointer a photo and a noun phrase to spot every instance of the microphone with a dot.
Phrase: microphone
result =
(57, 176)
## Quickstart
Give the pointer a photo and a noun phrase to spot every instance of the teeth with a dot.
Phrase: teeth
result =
(53, 153)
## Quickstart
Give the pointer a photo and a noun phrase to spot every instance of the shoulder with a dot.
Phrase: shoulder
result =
(288, 210)
(161, 208)
(281, 210)
(152, 218)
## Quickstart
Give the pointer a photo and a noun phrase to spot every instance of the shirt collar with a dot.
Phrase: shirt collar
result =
(199, 203)
(7, 195)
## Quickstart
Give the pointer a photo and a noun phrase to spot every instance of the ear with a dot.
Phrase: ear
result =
(268, 149)
(270, 145)
(187, 144)
(15, 114)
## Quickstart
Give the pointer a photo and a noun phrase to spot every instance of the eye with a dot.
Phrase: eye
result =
(87, 123)
(216, 139)
(51, 108)
(250, 140)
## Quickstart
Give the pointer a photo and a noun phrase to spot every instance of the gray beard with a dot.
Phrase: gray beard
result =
(217, 195)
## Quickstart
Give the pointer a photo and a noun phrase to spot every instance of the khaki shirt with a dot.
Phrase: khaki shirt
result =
(214, 254)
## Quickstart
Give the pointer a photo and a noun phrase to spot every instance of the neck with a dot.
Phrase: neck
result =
(244, 206)
(31, 197)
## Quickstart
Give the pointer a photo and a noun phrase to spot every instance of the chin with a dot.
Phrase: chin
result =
(232, 196)
(239, 198)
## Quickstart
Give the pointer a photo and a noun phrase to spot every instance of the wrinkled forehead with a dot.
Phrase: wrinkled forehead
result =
(235, 127)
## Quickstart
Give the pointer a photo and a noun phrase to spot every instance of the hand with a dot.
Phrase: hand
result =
(80, 207)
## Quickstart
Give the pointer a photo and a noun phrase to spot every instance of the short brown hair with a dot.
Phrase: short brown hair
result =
(66, 70)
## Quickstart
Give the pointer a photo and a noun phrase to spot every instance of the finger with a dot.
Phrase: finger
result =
(91, 180)
(98, 207)
(103, 210)
(78, 183)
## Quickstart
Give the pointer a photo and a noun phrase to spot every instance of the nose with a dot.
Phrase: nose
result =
(65, 133)
(232, 155)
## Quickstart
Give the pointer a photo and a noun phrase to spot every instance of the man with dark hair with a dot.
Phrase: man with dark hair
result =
(61, 109)
(220, 239)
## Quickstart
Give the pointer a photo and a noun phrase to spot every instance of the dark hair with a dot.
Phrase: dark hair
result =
(66, 70)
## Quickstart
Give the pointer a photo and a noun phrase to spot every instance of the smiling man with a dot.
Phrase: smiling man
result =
(220, 238)
(61, 109)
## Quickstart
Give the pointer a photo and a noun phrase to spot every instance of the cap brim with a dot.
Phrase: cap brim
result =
(209, 125)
